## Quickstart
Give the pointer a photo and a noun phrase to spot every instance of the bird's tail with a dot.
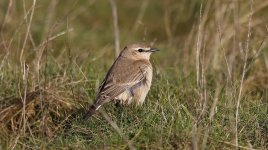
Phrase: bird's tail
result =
(90, 112)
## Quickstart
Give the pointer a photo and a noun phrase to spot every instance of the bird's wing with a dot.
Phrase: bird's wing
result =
(121, 77)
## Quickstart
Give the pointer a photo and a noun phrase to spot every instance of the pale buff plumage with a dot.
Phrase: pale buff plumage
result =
(128, 80)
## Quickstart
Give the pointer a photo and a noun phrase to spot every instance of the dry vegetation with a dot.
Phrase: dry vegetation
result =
(209, 89)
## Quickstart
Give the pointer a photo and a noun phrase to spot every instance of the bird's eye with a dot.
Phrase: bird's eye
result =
(140, 50)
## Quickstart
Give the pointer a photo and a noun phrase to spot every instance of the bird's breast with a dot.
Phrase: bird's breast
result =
(138, 92)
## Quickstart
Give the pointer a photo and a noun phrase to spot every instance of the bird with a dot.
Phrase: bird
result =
(128, 80)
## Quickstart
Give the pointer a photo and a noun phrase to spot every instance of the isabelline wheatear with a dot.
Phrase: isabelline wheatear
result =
(128, 80)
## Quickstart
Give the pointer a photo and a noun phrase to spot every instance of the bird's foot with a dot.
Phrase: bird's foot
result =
(119, 108)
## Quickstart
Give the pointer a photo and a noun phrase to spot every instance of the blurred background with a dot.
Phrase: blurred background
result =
(87, 28)
(91, 25)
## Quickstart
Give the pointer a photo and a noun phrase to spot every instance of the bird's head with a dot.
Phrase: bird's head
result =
(138, 51)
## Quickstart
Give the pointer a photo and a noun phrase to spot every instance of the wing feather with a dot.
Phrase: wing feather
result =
(123, 75)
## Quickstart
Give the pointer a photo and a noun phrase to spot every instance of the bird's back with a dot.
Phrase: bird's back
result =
(123, 74)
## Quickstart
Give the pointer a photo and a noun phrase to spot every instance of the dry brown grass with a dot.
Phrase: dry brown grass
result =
(46, 112)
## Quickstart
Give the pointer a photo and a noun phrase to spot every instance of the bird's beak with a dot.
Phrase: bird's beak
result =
(153, 50)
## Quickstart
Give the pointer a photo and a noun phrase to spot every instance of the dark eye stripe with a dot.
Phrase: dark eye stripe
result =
(140, 50)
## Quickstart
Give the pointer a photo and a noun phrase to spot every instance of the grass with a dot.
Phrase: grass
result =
(209, 87)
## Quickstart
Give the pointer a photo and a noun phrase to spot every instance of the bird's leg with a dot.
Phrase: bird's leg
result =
(118, 104)
(119, 107)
